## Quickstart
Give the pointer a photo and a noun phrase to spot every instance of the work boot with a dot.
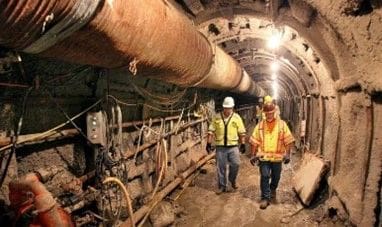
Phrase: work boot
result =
(264, 203)
(221, 191)
(273, 196)
(234, 186)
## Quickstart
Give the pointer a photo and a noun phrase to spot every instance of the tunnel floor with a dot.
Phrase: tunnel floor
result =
(201, 206)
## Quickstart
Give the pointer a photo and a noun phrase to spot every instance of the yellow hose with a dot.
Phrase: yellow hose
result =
(164, 165)
(125, 193)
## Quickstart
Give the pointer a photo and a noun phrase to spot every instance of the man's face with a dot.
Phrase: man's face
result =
(270, 116)
(227, 111)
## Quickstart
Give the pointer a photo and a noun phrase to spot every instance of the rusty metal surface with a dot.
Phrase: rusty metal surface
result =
(225, 73)
(161, 41)
(22, 22)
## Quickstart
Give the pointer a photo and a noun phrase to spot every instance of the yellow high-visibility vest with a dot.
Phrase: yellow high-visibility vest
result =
(227, 131)
(271, 143)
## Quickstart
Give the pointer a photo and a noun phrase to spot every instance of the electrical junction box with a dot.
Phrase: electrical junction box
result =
(96, 127)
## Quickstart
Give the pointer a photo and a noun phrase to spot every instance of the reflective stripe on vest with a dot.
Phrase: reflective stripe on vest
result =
(278, 154)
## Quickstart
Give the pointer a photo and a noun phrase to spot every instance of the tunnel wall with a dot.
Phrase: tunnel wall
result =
(345, 37)
(354, 40)
(74, 158)
(351, 163)
(74, 91)
(72, 155)
(373, 187)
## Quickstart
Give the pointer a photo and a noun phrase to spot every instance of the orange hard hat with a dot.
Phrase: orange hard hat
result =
(269, 108)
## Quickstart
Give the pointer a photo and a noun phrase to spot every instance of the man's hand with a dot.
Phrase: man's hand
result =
(286, 158)
(209, 148)
(242, 148)
(254, 160)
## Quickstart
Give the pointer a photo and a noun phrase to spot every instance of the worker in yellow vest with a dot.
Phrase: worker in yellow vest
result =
(227, 129)
(270, 141)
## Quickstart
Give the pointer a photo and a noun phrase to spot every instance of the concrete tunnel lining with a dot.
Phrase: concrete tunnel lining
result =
(259, 30)
(247, 27)
(324, 53)
(262, 58)
(323, 32)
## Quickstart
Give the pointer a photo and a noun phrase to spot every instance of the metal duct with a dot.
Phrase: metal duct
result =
(162, 42)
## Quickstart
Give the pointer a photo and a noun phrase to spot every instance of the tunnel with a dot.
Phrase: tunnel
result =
(106, 108)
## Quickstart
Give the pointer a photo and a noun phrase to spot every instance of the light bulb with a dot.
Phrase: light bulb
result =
(274, 66)
(275, 41)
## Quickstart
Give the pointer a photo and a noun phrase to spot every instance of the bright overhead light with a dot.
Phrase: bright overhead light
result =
(274, 66)
(275, 89)
(275, 95)
(275, 40)
(275, 86)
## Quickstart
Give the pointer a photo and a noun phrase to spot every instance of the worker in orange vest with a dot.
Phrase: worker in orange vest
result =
(270, 141)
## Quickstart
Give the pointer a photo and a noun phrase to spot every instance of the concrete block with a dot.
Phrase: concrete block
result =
(308, 177)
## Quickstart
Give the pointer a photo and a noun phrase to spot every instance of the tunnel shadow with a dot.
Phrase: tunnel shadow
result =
(320, 196)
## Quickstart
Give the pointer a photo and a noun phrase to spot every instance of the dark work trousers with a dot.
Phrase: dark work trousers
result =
(269, 171)
(227, 156)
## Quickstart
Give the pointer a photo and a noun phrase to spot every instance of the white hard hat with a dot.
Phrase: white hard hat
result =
(228, 102)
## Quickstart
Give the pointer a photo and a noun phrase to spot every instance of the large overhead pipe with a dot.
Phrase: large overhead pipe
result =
(150, 36)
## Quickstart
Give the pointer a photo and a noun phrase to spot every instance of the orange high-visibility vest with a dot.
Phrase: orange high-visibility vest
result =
(271, 144)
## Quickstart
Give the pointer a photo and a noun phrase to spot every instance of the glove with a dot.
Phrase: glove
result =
(286, 159)
(254, 161)
(242, 148)
(209, 148)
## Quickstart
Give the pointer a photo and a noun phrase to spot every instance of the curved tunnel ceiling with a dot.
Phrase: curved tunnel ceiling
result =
(244, 37)
(252, 56)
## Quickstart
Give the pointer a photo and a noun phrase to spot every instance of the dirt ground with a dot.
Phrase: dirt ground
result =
(202, 207)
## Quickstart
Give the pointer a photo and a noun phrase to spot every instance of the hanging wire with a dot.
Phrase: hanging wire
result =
(163, 100)
(155, 108)
(177, 126)
(119, 129)
(17, 133)
(66, 78)
(109, 161)
(50, 131)
(126, 195)
(58, 76)
(67, 116)
(161, 174)
(141, 132)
